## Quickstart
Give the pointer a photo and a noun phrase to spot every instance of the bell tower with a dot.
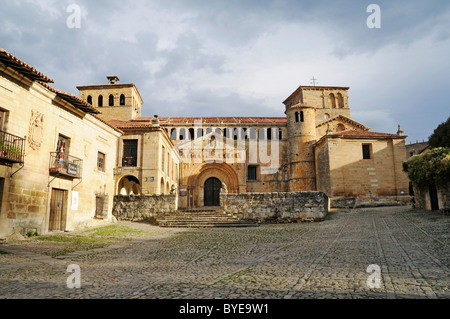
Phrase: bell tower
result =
(115, 101)
(301, 126)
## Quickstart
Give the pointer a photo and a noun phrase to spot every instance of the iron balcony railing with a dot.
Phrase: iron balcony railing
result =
(12, 148)
(65, 165)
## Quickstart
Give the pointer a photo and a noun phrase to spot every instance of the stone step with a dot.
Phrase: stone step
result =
(205, 224)
(202, 218)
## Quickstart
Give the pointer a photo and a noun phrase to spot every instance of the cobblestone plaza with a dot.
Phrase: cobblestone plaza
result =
(285, 261)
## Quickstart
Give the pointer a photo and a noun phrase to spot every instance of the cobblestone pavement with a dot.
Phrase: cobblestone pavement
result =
(311, 260)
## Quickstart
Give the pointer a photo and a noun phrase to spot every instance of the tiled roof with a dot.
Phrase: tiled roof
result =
(220, 120)
(18, 65)
(123, 125)
(144, 122)
(365, 134)
(72, 99)
(344, 119)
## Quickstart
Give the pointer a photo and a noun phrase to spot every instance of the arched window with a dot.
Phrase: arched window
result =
(332, 101)
(340, 127)
(269, 134)
(111, 100)
(327, 116)
(182, 134)
(173, 134)
(122, 100)
(191, 134)
(302, 117)
(89, 99)
(100, 101)
(297, 117)
(340, 100)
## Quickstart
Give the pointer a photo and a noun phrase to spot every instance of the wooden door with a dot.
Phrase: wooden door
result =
(212, 192)
(57, 210)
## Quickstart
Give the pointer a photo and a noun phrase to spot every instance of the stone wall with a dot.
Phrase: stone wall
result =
(357, 202)
(144, 207)
(277, 207)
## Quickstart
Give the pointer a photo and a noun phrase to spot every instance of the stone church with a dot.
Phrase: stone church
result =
(65, 159)
(315, 146)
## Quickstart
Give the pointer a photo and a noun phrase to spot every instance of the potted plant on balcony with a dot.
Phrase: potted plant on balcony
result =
(13, 152)
(2, 149)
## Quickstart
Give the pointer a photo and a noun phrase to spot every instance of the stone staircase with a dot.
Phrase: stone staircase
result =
(203, 218)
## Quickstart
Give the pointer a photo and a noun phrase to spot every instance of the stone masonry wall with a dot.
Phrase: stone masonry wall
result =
(277, 207)
(144, 207)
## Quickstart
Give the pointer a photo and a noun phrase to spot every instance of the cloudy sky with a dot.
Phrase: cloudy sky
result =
(244, 57)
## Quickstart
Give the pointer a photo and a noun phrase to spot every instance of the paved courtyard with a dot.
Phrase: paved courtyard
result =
(311, 260)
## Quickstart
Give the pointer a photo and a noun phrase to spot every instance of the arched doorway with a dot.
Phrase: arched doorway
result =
(129, 185)
(212, 192)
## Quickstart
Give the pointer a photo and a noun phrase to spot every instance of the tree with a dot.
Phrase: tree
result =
(441, 135)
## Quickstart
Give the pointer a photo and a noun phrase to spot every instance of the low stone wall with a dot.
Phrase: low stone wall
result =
(143, 207)
(277, 207)
(357, 202)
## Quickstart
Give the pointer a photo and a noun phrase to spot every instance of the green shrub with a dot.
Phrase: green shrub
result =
(431, 167)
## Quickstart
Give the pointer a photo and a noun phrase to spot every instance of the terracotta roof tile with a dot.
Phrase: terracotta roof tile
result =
(23, 68)
(72, 99)
(218, 120)
(365, 134)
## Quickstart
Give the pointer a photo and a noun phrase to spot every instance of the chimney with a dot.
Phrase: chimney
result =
(113, 79)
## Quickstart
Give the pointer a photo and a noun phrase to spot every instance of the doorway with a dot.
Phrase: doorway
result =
(57, 221)
(212, 192)
(434, 197)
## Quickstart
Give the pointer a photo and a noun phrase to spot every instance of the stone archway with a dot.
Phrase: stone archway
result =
(129, 185)
(220, 171)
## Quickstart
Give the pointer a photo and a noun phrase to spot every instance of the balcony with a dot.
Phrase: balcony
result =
(62, 165)
(129, 162)
(12, 149)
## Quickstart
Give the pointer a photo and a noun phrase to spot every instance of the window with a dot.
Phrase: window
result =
(182, 134)
(252, 173)
(122, 100)
(2, 120)
(100, 101)
(261, 133)
(89, 99)
(63, 145)
(173, 134)
(111, 100)
(129, 158)
(252, 134)
(235, 134)
(191, 134)
(332, 101)
(297, 119)
(244, 134)
(269, 134)
(340, 100)
(163, 154)
(340, 127)
(367, 151)
(101, 161)
(302, 117)
(280, 134)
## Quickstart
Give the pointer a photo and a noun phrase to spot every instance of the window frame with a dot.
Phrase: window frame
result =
(252, 173)
(101, 161)
(367, 151)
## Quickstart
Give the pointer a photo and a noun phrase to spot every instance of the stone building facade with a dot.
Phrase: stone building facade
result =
(316, 146)
(57, 156)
